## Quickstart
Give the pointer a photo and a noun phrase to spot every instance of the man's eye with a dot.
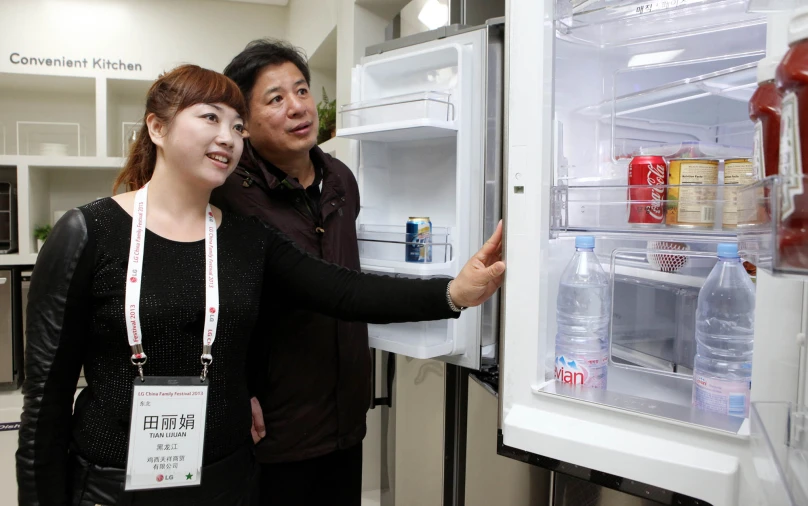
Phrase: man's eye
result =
(303, 91)
(275, 99)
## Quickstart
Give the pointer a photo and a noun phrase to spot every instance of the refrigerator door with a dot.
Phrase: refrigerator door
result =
(427, 118)
(590, 85)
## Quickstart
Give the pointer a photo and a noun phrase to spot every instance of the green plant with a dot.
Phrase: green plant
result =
(41, 232)
(327, 113)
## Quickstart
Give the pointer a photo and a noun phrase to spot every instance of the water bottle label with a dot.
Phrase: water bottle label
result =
(589, 372)
(727, 397)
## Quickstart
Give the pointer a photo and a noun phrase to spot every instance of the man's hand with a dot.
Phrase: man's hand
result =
(257, 430)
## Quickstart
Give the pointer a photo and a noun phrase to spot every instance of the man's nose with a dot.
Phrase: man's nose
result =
(297, 106)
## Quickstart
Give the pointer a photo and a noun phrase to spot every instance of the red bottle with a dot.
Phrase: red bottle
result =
(792, 84)
(764, 111)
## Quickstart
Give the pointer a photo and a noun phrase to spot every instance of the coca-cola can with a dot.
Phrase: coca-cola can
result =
(647, 177)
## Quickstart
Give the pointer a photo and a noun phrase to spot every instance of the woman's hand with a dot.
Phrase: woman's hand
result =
(482, 275)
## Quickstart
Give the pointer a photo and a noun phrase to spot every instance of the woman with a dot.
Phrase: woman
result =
(192, 274)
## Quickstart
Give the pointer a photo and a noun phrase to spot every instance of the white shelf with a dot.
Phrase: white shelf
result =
(668, 278)
(416, 339)
(407, 268)
(18, 259)
(89, 162)
(410, 130)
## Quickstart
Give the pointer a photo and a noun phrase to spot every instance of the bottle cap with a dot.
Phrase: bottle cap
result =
(798, 26)
(585, 241)
(766, 68)
(728, 250)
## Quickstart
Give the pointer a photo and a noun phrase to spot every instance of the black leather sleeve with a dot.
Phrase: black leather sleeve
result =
(349, 295)
(58, 319)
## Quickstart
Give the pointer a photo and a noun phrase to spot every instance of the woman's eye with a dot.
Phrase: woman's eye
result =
(211, 117)
(240, 128)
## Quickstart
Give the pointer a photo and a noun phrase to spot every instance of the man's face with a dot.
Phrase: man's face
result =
(283, 116)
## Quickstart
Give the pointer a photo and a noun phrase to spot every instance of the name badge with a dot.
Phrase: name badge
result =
(166, 432)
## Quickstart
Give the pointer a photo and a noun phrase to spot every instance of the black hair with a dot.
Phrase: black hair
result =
(246, 66)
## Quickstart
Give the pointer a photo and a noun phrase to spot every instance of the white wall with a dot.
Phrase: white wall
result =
(323, 78)
(309, 22)
(157, 34)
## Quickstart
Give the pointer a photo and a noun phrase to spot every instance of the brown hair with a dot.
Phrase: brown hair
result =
(179, 89)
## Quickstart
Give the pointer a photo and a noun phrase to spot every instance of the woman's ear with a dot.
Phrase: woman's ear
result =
(157, 129)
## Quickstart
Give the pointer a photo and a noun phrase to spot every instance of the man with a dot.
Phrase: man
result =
(316, 389)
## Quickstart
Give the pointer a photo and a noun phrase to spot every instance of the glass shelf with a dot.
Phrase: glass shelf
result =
(616, 23)
(773, 224)
(406, 117)
(383, 250)
(697, 212)
(774, 6)
(780, 450)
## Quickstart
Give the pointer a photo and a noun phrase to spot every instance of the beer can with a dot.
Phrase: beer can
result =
(692, 194)
(419, 240)
(647, 177)
(737, 172)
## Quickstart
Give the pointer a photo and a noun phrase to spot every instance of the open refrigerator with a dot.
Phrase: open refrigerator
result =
(590, 84)
(427, 112)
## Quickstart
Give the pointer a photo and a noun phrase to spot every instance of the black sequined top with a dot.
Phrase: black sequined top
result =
(76, 317)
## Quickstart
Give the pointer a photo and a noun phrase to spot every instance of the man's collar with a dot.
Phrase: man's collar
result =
(253, 162)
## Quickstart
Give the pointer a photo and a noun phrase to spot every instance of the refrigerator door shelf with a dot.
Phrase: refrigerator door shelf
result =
(683, 211)
(780, 452)
(415, 339)
(619, 23)
(408, 117)
(408, 269)
(768, 233)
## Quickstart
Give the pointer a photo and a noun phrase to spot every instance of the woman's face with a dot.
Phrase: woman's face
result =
(204, 143)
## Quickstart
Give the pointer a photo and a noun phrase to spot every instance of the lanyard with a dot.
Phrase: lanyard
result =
(134, 278)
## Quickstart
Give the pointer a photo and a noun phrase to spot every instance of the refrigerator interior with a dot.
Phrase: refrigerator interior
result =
(659, 78)
(418, 114)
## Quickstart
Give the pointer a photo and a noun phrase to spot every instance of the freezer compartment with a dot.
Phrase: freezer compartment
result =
(384, 248)
(617, 23)
(410, 116)
(773, 218)
(705, 211)
(778, 434)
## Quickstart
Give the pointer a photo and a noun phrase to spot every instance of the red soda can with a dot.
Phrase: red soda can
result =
(647, 177)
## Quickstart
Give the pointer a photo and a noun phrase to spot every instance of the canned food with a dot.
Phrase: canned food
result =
(737, 172)
(419, 240)
(693, 191)
(647, 177)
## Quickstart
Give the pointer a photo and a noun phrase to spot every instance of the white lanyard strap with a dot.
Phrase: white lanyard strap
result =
(134, 278)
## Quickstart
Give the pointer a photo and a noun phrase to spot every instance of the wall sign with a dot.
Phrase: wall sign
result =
(80, 63)
(9, 426)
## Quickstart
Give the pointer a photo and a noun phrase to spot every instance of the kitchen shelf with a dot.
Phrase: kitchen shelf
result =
(772, 225)
(78, 162)
(618, 23)
(604, 210)
(408, 117)
(18, 259)
(382, 250)
(778, 435)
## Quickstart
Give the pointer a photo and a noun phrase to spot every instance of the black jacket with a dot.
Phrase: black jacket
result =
(317, 369)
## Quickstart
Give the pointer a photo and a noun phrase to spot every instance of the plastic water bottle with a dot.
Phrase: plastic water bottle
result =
(583, 312)
(725, 321)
